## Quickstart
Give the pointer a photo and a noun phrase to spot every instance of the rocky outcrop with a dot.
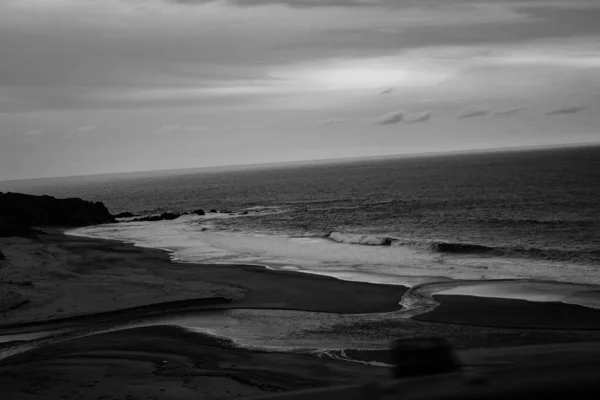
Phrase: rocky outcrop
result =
(125, 214)
(367, 240)
(20, 212)
(15, 228)
(166, 216)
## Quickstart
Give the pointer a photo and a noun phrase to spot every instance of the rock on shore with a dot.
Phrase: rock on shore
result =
(20, 212)
(166, 216)
(125, 214)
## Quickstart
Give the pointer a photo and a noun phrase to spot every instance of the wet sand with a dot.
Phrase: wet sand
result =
(508, 313)
(172, 363)
(166, 363)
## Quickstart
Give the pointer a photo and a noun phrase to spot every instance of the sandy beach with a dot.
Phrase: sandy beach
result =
(83, 293)
(59, 276)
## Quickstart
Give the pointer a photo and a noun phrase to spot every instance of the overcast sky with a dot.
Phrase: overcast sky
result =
(120, 85)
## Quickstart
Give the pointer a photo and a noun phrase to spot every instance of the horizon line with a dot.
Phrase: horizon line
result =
(320, 160)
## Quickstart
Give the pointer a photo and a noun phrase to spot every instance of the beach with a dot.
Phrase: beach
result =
(131, 318)
(234, 199)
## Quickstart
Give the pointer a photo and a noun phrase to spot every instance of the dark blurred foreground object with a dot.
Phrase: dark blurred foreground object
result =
(426, 356)
(436, 374)
(20, 212)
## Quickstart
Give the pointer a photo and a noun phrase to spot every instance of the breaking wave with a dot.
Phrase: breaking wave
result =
(446, 247)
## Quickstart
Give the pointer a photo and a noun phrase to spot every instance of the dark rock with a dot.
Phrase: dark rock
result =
(199, 212)
(125, 214)
(166, 216)
(149, 218)
(169, 216)
(14, 228)
(225, 212)
(2, 256)
(213, 211)
(20, 212)
(244, 213)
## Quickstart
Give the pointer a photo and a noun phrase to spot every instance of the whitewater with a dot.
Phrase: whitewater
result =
(193, 239)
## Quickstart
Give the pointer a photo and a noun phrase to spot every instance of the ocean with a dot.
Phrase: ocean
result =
(530, 218)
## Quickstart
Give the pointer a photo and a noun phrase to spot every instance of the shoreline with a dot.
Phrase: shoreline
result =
(147, 269)
(213, 287)
(352, 262)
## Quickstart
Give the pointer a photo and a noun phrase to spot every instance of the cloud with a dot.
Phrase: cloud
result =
(292, 3)
(334, 121)
(566, 110)
(472, 112)
(112, 54)
(400, 116)
(391, 118)
(508, 111)
(418, 117)
(389, 90)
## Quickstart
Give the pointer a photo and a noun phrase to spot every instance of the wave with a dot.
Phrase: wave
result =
(434, 246)
(447, 247)
(530, 221)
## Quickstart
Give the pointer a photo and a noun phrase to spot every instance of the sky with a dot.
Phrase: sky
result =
(110, 86)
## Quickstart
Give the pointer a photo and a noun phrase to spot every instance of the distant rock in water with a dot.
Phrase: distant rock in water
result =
(370, 240)
(213, 211)
(166, 216)
(125, 214)
(199, 212)
(459, 248)
(20, 212)
(2, 256)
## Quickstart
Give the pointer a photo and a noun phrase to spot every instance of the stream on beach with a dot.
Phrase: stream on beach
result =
(301, 331)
